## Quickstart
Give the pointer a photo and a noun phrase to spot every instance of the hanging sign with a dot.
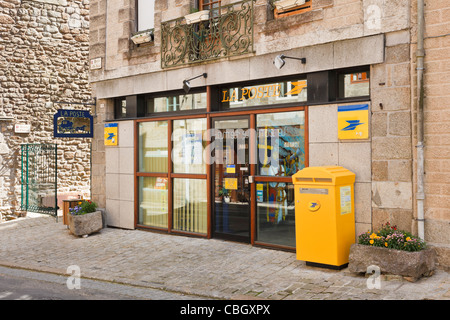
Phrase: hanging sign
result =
(353, 122)
(111, 134)
(73, 124)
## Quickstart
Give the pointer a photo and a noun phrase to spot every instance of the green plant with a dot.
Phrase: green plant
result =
(389, 237)
(83, 207)
(223, 191)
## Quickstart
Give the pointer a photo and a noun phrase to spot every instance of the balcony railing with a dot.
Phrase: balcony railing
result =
(227, 32)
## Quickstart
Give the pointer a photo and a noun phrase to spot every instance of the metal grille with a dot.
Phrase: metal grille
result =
(227, 32)
(39, 178)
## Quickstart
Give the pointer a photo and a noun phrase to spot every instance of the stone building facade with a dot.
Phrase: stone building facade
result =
(436, 121)
(335, 36)
(44, 49)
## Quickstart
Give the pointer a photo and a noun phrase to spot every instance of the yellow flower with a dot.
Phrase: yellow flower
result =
(371, 241)
(408, 238)
(373, 235)
(385, 244)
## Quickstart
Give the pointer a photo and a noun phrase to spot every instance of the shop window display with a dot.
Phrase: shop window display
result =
(281, 153)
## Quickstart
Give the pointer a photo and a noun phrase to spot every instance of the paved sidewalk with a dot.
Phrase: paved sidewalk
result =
(213, 269)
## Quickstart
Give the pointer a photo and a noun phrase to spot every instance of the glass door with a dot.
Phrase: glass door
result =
(231, 170)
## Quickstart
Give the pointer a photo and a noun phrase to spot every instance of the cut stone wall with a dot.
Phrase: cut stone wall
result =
(436, 120)
(44, 48)
(325, 149)
(328, 21)
(392, 198)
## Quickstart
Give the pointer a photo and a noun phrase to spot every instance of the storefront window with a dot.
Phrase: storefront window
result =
(153, 149)
(281, 143)
(281, 153)
(120, 108)
(190, 205)
(264, 94)
(275, 213)
(153, 201)
(177, 103)
(188, 146)
(355, 84)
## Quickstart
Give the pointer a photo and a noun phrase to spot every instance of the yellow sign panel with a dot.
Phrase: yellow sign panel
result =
(231, 183)
(353, 122)
(111, 134)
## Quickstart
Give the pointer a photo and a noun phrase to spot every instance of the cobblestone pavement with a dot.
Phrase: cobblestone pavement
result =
(213, 269)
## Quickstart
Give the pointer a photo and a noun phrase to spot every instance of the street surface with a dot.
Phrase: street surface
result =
(18, 284)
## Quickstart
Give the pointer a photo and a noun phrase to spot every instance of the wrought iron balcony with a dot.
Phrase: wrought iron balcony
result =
(227, 32)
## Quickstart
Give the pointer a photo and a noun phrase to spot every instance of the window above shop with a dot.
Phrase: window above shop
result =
(353, 84)
(120, 108)
(128, 107)
(322, 87)
(142, 105)
(145, 22)
(145, 14)
(176, 102)
(212, 5)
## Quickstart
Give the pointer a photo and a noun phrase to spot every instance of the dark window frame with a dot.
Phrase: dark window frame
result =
(339, 87)
(323, 88)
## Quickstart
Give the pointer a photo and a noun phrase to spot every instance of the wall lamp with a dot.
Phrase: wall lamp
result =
(279, 60)
(187, 85)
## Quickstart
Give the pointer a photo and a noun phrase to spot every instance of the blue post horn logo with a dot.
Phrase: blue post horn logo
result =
(352, 124)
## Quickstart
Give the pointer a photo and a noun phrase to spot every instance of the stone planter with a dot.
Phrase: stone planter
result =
(196, 17)
(412, 265)
(142, 37)
(85, 224)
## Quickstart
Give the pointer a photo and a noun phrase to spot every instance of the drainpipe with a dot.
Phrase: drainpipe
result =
(420, 196)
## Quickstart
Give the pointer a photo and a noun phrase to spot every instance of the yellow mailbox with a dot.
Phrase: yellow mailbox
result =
(324, 215)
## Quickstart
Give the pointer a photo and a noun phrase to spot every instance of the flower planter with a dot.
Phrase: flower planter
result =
(142, 37)
(412, 265)
(197, 16)
(85, 224)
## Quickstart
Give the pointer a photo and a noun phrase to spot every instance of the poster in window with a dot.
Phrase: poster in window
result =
(230, 183)
(192, 151)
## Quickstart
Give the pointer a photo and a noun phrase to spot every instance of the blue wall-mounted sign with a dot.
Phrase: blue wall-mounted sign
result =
(73, 124)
